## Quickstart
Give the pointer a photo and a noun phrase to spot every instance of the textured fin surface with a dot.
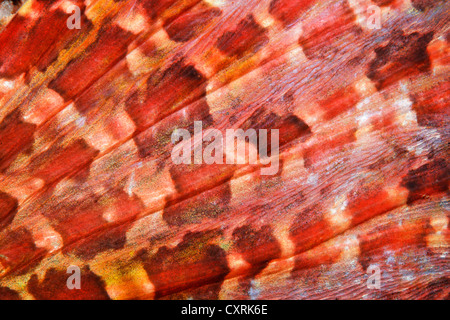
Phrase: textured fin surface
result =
(87, 178)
